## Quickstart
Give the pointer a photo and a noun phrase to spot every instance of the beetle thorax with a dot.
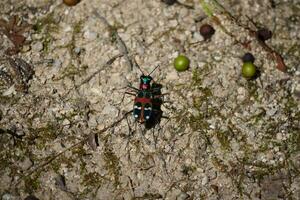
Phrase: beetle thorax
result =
(144, 86)
(145, 82)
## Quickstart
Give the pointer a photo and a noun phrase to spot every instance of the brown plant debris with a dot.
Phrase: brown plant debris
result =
(18, 72)
(14, 30)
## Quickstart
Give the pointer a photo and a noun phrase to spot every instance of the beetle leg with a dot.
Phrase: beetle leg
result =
(129, 93)
(134, 88)
(143, 133)
(130, 131)
(160, 95)
(129, 128)
(165, 117)
(122, 99)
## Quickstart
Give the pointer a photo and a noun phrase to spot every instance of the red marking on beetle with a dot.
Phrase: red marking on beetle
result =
(144, 86)
(141, 120)
(142, 100)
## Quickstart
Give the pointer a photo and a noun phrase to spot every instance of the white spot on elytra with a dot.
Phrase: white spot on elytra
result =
(137, 107)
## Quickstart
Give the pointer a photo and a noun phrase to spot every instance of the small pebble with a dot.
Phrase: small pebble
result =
(8, 196)
(26, 48)
(197, 36)
(241, 93)
(173, 23)
(90, 35)
(9, 91)
(271, 112)
(297, 91)
(60, 182)
(204, 180)
(66, 122)
(77, 50)
(37, 47)
(26, 164)
(217, 56)
(110, 110)
(279, 136)
(182, 196)
(171, 76)
(57, 63)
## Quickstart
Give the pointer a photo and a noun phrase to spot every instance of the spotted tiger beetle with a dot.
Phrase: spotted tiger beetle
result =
(147, 98)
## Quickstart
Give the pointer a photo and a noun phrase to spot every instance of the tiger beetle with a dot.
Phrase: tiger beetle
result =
(147, 102)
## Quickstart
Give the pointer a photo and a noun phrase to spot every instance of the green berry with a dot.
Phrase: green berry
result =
(181, 63)
(248, 70)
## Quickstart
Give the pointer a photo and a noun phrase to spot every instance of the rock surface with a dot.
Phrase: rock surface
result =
(223, 137)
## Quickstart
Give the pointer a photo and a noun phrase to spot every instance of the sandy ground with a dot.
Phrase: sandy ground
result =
(65, 128)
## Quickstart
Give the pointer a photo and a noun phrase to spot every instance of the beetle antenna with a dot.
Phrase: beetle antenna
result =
(153, 70)
(136, 64)
(140, 70)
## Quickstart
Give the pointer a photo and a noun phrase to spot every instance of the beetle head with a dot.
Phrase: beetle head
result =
(145, 82)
